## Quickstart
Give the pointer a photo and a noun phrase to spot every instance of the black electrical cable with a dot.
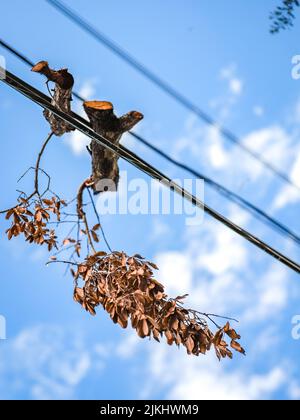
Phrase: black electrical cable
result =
(16, 53)
(26, 60)
(167, 88)
(39, 98)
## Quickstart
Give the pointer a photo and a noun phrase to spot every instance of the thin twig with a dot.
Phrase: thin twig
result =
(36, 178)
(220, 317)
(99, 221)
(62, 262)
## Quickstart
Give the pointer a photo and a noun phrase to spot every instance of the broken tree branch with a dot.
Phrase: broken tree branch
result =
(37, 170)
(105, 169)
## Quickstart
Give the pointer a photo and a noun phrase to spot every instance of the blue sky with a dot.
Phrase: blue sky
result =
(222, 56)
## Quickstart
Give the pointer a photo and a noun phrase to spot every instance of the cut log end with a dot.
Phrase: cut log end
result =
(40, 67)
(98, 105)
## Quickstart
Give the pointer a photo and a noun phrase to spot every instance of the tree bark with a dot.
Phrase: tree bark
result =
(105, 168)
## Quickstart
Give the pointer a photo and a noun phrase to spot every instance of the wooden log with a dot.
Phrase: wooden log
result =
(62, 96)
(105, 168)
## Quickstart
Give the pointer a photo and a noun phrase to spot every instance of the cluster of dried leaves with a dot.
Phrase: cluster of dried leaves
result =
(125, 287)
(62, 96)
(30, 218)
(283, 17)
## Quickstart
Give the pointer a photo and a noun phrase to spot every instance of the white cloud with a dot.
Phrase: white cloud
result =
(273, 144)
(220, 386)
(175, 272)
(183, 377)
(218, 156)
(234, 89)
(128, 141)
(235, 84)
(287, 196)
(295, 113)
(45, 362)
(267, 338)
(227, 72)
(204, 143)
(270, 295)
(215, 270)
(226, 254)
(270, 140)
(190, 140)
(160, 229)
(229, 292)
(76, 140)
(294, 390)
(88, 89)
(236, 168)
(128, 347)
(220, 272)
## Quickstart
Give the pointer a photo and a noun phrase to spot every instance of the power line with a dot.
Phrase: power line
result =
(244, 204)
(167, 88)
(39, 98)
(218, 187)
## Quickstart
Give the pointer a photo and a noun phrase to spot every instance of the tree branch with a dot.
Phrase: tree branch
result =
(105, 169)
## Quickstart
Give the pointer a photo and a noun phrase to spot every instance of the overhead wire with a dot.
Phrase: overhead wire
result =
(77, 122)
